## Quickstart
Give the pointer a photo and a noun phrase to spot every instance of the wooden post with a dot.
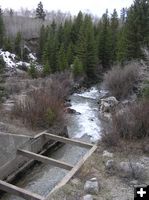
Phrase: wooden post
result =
(45, 159)
(68, 141)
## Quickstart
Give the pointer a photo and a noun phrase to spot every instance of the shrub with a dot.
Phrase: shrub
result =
(2, 65)
(145, 91)
(44, 106)
(32, 70)
(120, 81)
(129, 124)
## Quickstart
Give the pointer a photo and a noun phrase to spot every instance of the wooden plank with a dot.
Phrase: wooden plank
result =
(7, 187)
(40, 134)
(45, 159)
(68, 141)
(73, 171)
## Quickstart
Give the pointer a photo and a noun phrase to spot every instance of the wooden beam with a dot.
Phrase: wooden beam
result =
(68, 141)
(7, 187)
(44, 159)
(73, 171)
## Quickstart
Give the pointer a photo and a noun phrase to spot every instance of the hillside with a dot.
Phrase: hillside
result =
(82, 77)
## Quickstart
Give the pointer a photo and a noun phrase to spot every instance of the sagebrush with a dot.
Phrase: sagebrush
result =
(131, 123)
(120, 80)
(43, 106)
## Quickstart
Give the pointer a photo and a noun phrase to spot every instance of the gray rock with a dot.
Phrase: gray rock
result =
(88, 197)
(107, 154)
(70, 111)
(110, 165)
(146, 148)
(108, 104)
(131, 169)
(91, 186)
(67, 104)
(134, 182)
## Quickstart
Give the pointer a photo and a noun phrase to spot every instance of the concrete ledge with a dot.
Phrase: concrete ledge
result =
(73, 171)
(19, 191)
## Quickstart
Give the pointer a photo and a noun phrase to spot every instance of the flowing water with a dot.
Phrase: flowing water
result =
(84, 126)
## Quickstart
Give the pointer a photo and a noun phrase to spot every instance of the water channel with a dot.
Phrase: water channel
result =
(84, 126)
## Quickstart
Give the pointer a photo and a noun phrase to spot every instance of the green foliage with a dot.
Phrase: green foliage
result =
(46, 69)
(2, 32)
(40, 11)
(104, 48)
(105, 42)
(41, 43)
(51, 117)
(145, 91)
(78, 69)
(18, 45)
(32, 70)
(62, 59)
(2, 89)
(114, 35)
(121, 53)
(8, 44)
(2, 65)
(137, 28)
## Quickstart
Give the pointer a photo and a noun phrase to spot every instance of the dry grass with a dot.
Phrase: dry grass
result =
(120, 81)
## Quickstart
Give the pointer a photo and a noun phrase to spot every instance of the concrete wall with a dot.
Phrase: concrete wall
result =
(8, 145)
(14, 162)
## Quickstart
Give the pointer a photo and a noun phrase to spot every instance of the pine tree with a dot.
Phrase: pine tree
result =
(122, 46)
(11, 12)
(114, 35)
(104, 49)
(8, 45)
(2, 65)
(41, 43)
(40, 13)
(137, 28)
(77, 68)
(18, 45)
(91, 51)
(123, 15)
(46, 69)
(32, 70)
(1, 29)
(76, 27)
(62, 59)
(69, 54)
(81, 44)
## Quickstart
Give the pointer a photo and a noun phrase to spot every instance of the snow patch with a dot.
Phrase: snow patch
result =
(13, 63)
(32, 57)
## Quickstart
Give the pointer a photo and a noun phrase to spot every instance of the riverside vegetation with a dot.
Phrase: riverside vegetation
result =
(85, 50)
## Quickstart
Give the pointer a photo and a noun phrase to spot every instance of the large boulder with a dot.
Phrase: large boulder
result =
(91, 186)
(131, 170)
(88, 197)
(108, 104)
(71, 111)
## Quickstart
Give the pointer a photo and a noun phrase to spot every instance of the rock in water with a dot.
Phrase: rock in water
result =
(108, 104)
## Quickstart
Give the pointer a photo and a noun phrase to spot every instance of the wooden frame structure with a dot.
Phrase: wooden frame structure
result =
(72, 169)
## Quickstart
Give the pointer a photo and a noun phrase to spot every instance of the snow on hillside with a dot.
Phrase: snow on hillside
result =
(12, 63)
